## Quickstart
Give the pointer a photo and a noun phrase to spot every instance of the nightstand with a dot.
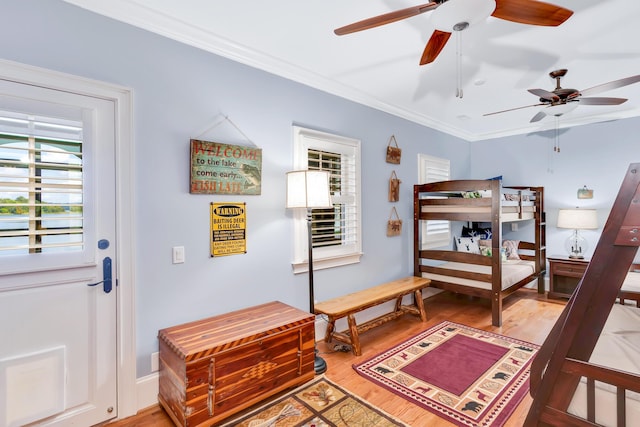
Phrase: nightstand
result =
(564, 275)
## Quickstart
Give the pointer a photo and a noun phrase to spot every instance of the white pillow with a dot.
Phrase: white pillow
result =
(511, 247)
(467, 244)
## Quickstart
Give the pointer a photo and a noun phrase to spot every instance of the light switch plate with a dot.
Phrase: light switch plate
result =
(178, 254)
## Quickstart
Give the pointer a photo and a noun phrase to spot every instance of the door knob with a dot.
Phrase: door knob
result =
(106, 276)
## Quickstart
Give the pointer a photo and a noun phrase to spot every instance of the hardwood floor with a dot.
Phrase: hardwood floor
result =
(526, 316)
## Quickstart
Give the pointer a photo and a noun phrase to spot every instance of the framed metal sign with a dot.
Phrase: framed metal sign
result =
(225, 169)
(228, 229)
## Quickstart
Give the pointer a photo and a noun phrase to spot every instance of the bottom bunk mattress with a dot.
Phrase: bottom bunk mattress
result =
(618, 347)
(631, 282)
(513, 271)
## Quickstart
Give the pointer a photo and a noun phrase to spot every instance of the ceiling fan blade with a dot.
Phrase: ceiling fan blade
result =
(541, 115)
(531, 12)
(386, 18)
(513, 109)
(434, 46)
(601, 101)
(611, 85)
(545, 94)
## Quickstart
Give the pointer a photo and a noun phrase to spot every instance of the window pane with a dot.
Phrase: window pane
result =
(327, 224)
(435, 233)
(40, 185)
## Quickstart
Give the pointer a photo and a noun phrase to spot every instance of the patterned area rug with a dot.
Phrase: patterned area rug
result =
(318, 403)
(465, 375)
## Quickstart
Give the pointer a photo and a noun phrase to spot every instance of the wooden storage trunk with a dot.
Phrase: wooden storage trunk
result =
(215, 367)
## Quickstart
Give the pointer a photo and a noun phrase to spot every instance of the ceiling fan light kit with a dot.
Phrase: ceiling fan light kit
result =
(560, 109)
(458, 15)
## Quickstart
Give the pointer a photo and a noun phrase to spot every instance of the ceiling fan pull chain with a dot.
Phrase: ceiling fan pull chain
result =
(459, 64)
(556, 147)
(555, 136)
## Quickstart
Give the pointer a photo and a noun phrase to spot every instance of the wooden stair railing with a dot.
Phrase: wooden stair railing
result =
(578, 328)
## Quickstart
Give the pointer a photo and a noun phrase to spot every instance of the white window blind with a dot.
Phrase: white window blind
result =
(336, 232)
(41, 183)
(435, 233)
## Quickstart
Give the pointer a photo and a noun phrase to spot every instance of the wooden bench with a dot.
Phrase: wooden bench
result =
(348, 305)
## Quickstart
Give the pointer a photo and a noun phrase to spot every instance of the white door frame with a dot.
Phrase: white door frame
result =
(125, 245)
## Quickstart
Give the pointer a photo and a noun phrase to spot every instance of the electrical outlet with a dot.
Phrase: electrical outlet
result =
(155, 362)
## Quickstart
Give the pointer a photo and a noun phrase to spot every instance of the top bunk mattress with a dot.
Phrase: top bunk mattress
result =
(474, 197)
(508, 213)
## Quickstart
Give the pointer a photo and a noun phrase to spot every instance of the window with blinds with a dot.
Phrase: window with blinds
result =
(41, 179)
(334, 226)
(435, 233)
(336, 232)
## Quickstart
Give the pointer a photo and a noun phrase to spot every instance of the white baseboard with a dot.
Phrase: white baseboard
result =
(147, 391)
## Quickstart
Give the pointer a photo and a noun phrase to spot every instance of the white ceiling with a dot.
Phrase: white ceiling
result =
(378, 67)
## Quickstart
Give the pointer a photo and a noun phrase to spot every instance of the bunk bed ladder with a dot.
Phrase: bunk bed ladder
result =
(560, 363)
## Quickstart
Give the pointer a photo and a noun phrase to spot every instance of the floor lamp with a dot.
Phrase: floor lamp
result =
(307, 189)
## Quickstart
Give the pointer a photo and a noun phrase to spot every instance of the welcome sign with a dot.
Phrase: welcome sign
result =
(225, 169)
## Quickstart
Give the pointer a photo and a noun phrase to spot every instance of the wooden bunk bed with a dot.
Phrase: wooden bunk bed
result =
(587, 371)
(471, 273)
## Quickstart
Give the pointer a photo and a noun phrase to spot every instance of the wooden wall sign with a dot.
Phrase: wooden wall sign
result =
(228, 229)
(225, 169)
(393, 153)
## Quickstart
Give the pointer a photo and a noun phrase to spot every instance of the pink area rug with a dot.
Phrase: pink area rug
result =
(468, 376)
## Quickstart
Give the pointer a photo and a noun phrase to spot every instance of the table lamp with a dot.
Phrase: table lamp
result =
(577, 219)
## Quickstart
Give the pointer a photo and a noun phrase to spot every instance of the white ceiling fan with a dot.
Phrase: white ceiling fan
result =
(457, 15)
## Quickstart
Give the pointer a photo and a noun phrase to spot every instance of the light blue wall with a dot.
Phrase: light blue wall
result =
(596, 155)
(178, 91)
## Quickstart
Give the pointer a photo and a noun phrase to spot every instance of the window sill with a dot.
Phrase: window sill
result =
(323, 263)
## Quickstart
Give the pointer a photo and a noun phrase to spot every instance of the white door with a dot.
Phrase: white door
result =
(58, 359)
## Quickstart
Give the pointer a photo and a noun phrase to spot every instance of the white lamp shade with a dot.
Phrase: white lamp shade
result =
(578, 219)
(308, 189)
(560, 109)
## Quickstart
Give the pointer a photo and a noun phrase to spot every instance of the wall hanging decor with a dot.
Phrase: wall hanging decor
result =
(225, 168)
(218, 168)
(394, 187)
(228, 229)
(394, 224)
(393, 153)
(585, 193)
